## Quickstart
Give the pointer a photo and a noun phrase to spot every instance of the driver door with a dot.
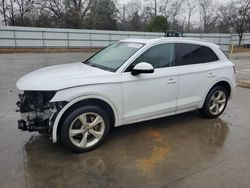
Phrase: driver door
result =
(151, 95)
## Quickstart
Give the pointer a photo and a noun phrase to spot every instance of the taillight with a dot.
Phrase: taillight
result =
(234, 70)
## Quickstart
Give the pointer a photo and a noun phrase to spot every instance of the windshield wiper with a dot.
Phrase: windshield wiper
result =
(92, 65)
(86, 61)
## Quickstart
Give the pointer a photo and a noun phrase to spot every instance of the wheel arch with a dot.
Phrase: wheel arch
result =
(223, 83)
(80, 101)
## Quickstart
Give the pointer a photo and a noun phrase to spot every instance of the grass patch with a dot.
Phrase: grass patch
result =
(240, 49)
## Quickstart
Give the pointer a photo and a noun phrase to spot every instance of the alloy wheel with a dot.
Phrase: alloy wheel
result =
(86, 130)
(217, 102)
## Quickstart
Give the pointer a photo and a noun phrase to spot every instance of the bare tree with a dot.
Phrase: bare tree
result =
(102, 15)
(23, 9)
(70, 12)
(223, 25)
(239, 17)
(3, 10)
(191, 8)
(11, 12)
(208, 14)
(133, 6)
(174, 10)
(17, 12)
(183, 24)
(56, 6)
(135, 17)
(165, 7)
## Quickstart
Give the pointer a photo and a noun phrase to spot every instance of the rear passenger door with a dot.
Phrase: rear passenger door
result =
(197, 71)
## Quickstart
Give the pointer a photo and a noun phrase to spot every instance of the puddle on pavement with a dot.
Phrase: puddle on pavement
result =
(160, 149)
(143, 153)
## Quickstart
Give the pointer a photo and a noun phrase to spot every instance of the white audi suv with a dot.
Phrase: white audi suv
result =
(129, 81)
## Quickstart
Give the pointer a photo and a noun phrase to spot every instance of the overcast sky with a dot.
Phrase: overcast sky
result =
(195, 18)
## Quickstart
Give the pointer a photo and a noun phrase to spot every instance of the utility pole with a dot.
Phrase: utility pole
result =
(155, 8)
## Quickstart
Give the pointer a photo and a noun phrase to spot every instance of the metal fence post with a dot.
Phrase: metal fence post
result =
(90, 39)
(68, 39)
(244, 38)
(43, 39)
(14, 34)
(231, 46)
(109, 38)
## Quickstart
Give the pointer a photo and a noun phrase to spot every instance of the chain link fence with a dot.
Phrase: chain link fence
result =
(245, 39)
(30, 37)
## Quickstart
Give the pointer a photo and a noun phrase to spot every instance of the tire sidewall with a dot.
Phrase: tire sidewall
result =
(64, 132)
(205, 109)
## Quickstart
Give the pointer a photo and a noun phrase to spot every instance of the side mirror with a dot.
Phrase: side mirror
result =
(142, 67)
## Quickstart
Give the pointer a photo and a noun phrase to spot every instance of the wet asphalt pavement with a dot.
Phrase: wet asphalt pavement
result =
(242, 65)
(179, 151)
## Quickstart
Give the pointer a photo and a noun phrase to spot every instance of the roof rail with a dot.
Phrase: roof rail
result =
(173, 34)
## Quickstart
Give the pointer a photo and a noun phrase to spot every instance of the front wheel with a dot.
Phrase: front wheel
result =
(85, 128)
(215, 102)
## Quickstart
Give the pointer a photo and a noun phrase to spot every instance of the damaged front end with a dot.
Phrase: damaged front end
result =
(37, 113)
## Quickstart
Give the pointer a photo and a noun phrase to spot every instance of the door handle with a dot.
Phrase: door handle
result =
(211, 75)
(171, 81)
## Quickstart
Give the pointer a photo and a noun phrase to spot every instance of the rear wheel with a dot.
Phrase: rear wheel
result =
(85, 128)
(215, 102)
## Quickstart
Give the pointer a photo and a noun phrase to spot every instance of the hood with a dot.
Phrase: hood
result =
(63, 76)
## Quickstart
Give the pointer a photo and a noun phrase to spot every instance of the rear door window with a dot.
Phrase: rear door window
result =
(194, 54)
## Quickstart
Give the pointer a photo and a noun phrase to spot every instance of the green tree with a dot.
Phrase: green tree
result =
(158, 24)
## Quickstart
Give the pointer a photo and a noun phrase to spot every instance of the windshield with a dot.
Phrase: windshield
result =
(113, 56)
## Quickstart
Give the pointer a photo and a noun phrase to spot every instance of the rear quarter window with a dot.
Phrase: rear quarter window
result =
(195, 54)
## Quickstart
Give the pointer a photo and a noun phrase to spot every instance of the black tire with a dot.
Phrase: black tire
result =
(66, 140)
(205, 111)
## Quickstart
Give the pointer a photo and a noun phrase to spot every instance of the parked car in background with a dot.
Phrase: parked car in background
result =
(129, 81)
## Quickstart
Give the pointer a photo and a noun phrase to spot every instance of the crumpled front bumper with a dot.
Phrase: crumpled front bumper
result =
(37, 119)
